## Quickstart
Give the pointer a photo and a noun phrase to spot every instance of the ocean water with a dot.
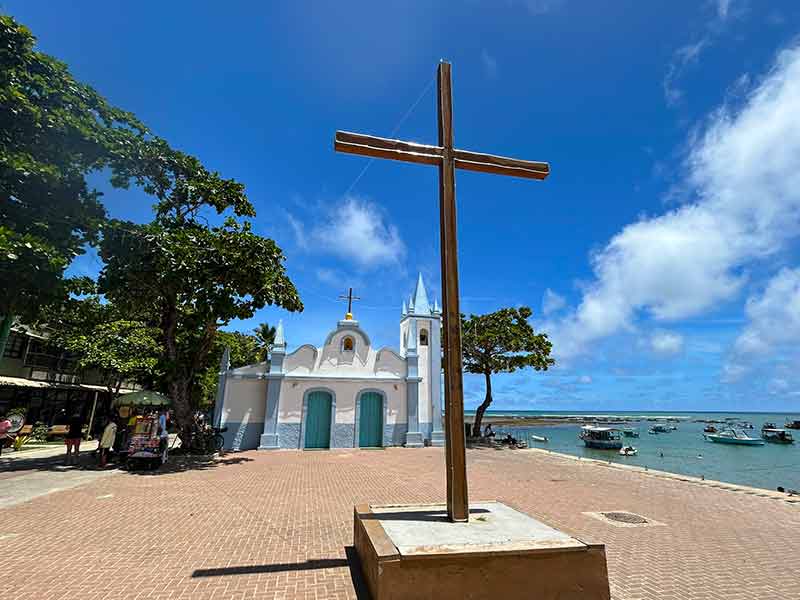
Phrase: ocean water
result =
(683, 451)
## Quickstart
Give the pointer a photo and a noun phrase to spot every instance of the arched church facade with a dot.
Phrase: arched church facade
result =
(342, 394)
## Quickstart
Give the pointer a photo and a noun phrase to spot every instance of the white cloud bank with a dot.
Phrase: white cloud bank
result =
(356, 230)
(773, 324)
(744, 184)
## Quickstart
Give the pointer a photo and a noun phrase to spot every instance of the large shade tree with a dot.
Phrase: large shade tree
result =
(501, 342)
(194, 277)
(54, 130)
(195, 268)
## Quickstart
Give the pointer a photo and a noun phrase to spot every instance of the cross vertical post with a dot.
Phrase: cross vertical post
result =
(455, 442)
(447, 158)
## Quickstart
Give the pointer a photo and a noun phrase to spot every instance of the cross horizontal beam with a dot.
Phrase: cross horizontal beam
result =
(378, 147)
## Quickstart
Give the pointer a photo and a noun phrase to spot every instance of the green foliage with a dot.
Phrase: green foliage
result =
(178, 274)
(17, 410)
(118, 345)
(244, 350)
(501, 342)
(191, 277)
(265, 335)
(40, 432)
(53, 131)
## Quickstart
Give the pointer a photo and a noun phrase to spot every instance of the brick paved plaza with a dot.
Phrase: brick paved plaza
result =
(279, 525)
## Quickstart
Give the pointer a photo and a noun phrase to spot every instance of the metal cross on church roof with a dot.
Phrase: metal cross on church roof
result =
(349, 297)
(447, 158)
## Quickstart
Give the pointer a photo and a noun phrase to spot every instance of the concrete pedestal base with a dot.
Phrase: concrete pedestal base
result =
(269, 441)
(414, 552)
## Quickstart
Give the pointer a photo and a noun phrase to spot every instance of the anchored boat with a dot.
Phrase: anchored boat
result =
(770, 433)
(628, 451)
(630, 432)
(601, 438)
(792, 424)
(733, 436)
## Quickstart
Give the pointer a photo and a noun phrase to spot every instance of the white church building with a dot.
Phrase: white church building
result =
(342, 394)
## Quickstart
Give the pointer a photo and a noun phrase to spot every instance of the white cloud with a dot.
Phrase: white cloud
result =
(743, 175)
(299, 231)
(666, 342)
(689, 54)
(585, 379)
(552, 302)
(773, 320)
(356, 230)
(489, 64)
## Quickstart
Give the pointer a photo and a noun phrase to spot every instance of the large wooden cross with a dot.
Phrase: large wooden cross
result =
(447, 158)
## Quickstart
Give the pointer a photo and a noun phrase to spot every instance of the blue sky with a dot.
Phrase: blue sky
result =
(661, 255)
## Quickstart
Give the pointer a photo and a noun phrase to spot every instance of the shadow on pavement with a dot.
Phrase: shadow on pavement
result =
(176, 463)
(352, 561)
(179, 463)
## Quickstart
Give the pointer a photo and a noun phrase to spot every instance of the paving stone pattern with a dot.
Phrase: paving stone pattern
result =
(269, 525)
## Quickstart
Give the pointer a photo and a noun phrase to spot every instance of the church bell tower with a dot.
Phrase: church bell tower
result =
(420, 344)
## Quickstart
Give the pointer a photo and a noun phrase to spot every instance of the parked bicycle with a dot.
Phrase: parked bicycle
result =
(207, 439)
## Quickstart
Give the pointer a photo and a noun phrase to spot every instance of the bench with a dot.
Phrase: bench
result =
(58, 430)
(26, 430)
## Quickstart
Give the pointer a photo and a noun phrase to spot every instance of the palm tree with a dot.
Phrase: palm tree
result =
(265, 334)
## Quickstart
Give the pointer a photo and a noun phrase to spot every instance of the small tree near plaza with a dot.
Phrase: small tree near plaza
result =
(501, 342)
(119, 347)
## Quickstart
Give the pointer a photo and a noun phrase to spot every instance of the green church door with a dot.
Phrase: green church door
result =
(318, 420)
(370, 420)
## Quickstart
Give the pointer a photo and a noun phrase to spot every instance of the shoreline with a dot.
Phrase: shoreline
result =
(714, 483)
(551, 420)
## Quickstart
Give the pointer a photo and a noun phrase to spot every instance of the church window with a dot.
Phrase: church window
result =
(348, 344)
(423, 337)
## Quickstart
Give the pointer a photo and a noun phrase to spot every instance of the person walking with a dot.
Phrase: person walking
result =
(73, 439)
(107, 440)
(5, 425)
(163, 435)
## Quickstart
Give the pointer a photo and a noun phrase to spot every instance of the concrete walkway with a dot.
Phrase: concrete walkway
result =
(34, 473)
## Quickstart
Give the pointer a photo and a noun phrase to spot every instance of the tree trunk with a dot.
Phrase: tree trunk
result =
(5, 329)
(181, 405)
(476, 427)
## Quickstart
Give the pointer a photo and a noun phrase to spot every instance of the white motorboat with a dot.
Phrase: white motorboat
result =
(628, 451)
(733, 436)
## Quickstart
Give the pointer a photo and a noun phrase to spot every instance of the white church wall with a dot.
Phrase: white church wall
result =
(302, 360)
(243, 412)
(389, 363)
(345, 391)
